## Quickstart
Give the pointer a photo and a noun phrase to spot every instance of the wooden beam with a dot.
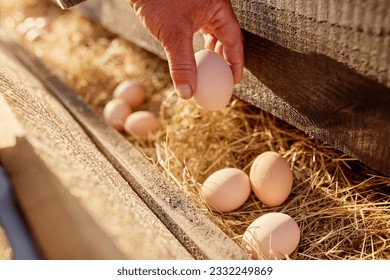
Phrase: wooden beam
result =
(355, 33)
(60, 226)
(75, 202)
(5, 248)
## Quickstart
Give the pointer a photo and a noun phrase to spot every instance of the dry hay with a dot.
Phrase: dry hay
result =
(341, 206)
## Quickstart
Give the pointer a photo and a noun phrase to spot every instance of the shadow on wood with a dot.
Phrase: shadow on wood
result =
(62, 229)
(331, 101)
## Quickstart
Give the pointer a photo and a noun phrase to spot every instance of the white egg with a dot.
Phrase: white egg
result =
(115, 113)
(271, 236)
(226, 189)
(22, 28)
(43, 23)
(133, 92)
(271, 178)
(141, 123)
(215, 81)
(34, 34)
(29, 22)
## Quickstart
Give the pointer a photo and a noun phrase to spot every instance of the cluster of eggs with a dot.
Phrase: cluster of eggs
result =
(273, 235)
(118, 112)
(34, 29)
(214, 90)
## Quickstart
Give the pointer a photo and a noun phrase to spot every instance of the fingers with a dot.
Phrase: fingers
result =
(219, 48)
(180, 54)
(174, 24)
(209, 41)
(234, 55)
(235, 59)
(230, 36)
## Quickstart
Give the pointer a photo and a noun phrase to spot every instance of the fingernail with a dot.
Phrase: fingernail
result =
(184, 91)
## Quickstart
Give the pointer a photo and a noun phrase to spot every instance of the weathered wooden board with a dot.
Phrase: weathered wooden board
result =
(76, 203)
(200, 236)
(5, 249)
(353, 32)
(322, 66)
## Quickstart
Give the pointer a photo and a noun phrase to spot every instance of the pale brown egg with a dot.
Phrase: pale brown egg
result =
(22, 28)
(271, 178)
(29, 22)
(115, 113)
(215, 80)
(141, 123)
(34, 35)
(271, 236)
(226, 190)
(133, 92)
(43, 23)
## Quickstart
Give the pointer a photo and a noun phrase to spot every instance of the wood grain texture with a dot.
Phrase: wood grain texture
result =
(322, 66)
(118, 17)
(320, 96)
(60, 226)
(76, 203)
(199, 235)
(353, 32)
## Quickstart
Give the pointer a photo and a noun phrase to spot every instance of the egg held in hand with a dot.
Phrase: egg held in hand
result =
(115, 113)
(214, 81)
(141, 123)
(271, 236)
(271, 178)
(226, 190)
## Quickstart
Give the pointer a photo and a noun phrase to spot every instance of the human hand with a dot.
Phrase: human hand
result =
(174, 22)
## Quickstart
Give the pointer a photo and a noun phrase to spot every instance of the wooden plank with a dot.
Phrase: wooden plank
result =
(76, 203)
(119, 18)
(355, 33)
(19, 238)
(320, 96)
(5, 249)
(199, 235)
(60, 226)
(322, 66)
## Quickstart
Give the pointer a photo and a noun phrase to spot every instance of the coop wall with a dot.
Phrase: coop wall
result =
(322, 66)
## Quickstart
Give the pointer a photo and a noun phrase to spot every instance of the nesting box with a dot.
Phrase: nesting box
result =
(86, 192)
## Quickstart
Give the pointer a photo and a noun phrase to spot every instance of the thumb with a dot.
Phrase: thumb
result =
(181, 60)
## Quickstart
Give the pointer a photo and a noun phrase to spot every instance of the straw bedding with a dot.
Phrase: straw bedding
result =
(341, 206)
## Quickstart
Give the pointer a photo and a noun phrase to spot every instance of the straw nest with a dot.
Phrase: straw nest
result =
(341, 206)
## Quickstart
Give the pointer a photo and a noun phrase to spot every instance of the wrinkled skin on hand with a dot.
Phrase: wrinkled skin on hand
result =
(174, 22)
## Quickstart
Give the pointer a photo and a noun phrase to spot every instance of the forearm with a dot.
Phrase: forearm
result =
(68, 3)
